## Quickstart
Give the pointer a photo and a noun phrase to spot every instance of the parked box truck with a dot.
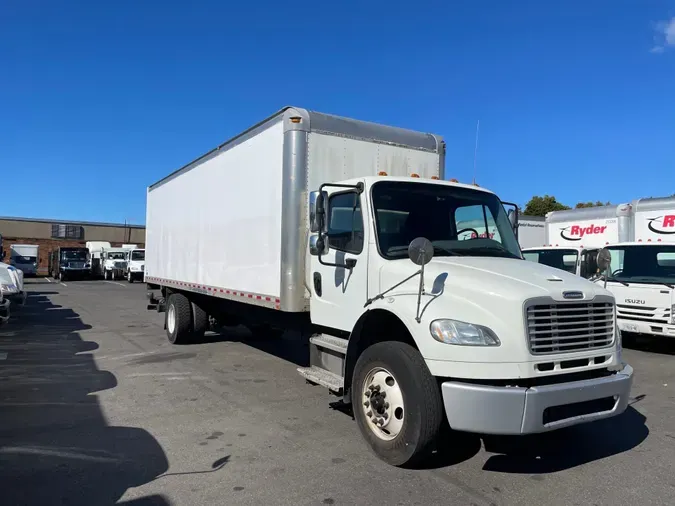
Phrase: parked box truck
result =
(574, 237)
(642, 271)
(346, 232)
(25, 257)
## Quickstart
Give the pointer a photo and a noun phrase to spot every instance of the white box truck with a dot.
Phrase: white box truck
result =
(642, 271)
(574, 237)
(531, 231)
(25, 257)
(346, 232)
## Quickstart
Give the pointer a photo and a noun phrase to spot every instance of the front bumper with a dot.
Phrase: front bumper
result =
(520, 410)
(4, 311)
(638, 327)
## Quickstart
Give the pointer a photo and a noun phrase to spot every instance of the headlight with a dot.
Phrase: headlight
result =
(462, 333)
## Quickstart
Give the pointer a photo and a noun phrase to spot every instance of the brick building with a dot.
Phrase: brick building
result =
(50, 234)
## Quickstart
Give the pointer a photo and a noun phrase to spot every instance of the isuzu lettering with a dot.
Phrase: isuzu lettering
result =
(346, 232)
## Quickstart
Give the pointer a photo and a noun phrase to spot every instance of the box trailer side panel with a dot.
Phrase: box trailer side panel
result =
(531, 232)
(654, 220)
(218, 224)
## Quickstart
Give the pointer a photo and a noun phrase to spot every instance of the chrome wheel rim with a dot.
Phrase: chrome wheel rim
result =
(171, 319)
(382, 404)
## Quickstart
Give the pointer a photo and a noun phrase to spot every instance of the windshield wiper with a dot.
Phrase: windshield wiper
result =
(618, 281)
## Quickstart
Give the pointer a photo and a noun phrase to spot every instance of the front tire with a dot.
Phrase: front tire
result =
(130, 278)
(178, 319)
(397, 403)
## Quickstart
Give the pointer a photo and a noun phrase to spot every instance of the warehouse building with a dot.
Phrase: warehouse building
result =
(50, 234)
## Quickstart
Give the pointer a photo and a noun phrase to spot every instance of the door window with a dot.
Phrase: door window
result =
(345, 226)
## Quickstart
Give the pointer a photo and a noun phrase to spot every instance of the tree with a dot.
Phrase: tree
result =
(539, 206)
(581, 205)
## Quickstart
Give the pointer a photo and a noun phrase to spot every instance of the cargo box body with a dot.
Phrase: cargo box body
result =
(233, 223)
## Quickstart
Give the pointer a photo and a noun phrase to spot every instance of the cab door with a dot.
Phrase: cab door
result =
(339, 277)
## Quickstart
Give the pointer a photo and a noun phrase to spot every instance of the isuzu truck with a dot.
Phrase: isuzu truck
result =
(642, 271)
(346, 232)
(574, 237)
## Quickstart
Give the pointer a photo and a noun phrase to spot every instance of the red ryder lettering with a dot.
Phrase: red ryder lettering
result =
(582, 231)
(669, 221)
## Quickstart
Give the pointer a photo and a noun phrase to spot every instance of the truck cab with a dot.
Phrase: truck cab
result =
(69, 263)
(579, 261)
(135, 267)
(642, 278)
(394, 259)
(113, 263)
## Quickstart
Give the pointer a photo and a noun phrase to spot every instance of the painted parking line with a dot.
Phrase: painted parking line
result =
(48, 280)
(116, 283)
(62, 283)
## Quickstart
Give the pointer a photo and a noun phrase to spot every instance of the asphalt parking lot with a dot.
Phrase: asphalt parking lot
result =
(96, 407)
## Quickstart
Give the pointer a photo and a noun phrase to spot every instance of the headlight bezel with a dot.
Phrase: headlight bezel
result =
(440, 327)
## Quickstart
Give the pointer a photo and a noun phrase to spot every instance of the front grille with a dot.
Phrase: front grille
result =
(643, 313)
(76, 265)
(565, 327)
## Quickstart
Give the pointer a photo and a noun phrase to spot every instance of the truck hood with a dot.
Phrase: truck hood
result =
(490, 277)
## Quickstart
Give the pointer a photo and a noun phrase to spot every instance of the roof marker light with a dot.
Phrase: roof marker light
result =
(435, 177)
(414, 175)
(453, 180)
(382, 173)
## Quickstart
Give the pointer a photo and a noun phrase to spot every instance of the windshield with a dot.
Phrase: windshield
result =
(457, 221)
(74, 254)
(564, 259)
(116, 255)
(19, 259)
(643, 264)
(138, 255)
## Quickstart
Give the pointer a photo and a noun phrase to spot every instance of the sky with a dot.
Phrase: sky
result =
(98, 100)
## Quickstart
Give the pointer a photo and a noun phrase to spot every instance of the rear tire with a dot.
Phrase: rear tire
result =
(413, 404)
(200, 321)
(178, 319)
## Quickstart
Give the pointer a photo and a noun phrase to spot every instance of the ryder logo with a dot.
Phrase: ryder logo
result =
(660, 224)
(575, 232)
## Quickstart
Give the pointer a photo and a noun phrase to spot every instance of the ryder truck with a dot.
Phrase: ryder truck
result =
(345, 231)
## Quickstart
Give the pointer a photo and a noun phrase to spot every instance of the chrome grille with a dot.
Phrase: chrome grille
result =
(76, 265)
(565, 327)
(643, 313)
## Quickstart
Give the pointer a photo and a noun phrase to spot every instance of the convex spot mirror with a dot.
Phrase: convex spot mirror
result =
(317, 247)
(421, 251)
(604, 259)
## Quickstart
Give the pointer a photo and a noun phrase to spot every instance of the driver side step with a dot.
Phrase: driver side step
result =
(327, 361)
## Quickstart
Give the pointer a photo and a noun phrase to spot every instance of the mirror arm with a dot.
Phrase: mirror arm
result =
(381, 295)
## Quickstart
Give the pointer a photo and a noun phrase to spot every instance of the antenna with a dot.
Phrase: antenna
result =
(475, 152)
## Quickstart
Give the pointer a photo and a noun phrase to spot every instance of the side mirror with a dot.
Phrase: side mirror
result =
(317, 212)
(604, 259)
(513, 218)
(317, 245)
(421, 251)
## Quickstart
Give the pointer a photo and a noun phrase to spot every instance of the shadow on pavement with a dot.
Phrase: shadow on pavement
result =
(649, 344)
(56, 446)
(566, 448)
